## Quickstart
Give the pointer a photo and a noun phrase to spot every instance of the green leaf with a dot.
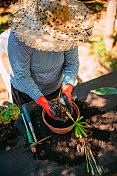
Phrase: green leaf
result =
(2, 108)
(92, 171)
(82, 131)
(7, 121)
(95, 162)
(5, 115)
(87, 160)
(13, 111)
(70, 117)
(77, 132)
(83, 127)
(72, 127)
(9, 104)
(105, 91)
(82, 123)
(80, 118)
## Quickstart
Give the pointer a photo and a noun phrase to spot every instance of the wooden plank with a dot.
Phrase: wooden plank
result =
(19, 160)
(82, 92)
(114, 174)
(108, 80)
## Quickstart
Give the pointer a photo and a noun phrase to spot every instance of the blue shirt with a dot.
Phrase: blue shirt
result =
(39, 73)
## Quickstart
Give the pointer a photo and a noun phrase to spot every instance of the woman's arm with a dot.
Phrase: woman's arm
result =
(71, 66)
(19, 57)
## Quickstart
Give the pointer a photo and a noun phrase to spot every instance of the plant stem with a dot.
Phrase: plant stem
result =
(70, 117)
(87, 160)
(94, 161)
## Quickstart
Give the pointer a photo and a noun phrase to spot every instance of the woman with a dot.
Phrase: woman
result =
(43, 49)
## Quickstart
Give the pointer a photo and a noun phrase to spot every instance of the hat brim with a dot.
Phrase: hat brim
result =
(43, 36)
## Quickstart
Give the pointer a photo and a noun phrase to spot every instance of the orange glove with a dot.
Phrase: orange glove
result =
(47, 106)
(67, 90)
(66, 95)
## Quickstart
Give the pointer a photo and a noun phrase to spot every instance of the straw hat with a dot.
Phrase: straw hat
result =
(51, 25)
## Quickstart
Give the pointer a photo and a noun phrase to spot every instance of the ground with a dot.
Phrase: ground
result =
(90, 64)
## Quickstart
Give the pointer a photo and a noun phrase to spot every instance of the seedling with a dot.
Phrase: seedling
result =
(80, 131)
(90, 159)
(80, 127)
(8, 112)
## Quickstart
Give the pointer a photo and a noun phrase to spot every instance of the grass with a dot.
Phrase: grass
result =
(95, 7)
(3, 27)
(107, 59)
(3, 22)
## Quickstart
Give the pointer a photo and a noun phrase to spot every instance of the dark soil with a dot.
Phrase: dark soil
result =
(6, 131)
(61, 124)
(63, 148)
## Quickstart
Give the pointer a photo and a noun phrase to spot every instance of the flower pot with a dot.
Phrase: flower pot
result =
(54, 124)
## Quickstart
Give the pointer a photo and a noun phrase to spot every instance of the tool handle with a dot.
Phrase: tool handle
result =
(26, 113)
(29, 122)
(30, 139)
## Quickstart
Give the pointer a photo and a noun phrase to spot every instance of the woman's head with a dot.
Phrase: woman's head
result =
(51, 25)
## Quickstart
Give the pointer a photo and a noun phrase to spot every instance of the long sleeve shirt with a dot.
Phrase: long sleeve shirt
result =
(39, 73)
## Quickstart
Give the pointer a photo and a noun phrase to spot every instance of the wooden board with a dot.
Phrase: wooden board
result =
(107, 102)
(15, 160)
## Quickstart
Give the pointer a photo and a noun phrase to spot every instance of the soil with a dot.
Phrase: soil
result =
(90, 67)
(6, 131)
(61, 124)
(63, 148)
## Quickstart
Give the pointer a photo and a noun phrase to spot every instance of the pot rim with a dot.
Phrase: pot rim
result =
(61, 130)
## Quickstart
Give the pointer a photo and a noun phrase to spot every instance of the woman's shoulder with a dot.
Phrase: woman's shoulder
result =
(13, 39)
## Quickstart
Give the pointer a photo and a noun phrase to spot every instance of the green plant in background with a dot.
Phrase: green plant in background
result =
(95, 6)
(105, 91)
(106, 58)
(101, 48)
(3, 27)
(8, 112)
(3, 22)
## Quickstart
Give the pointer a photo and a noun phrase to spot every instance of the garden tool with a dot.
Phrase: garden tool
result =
(36, 143)
(30, 139)
(29, 122)
(29, 144)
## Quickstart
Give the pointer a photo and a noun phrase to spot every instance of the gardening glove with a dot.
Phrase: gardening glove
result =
(47, 106)
(66, 96)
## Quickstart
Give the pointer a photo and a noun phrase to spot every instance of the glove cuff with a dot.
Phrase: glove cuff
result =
(67, 88)
(41, 100)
